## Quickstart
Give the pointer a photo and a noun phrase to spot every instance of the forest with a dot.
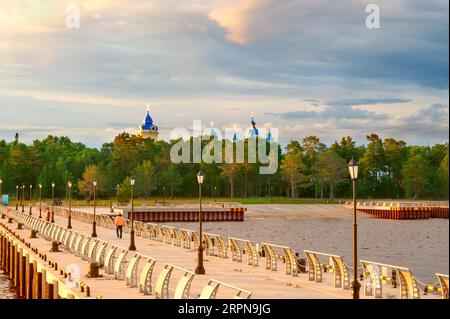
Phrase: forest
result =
(308, 168)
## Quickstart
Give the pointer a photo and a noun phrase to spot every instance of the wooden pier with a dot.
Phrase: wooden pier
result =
(184, 214)
(403, 210)
(233, 267)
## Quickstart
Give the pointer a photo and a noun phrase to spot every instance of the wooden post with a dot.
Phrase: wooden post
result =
(44, 286)
(17, 269)
(34, 283)
(7, 258)
(30, 277)
(49, 291)
(22, 281)
(12, 257)
(2, 251)
(55, 289)
(38, 286)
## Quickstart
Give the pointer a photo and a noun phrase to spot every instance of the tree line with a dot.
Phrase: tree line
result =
(308, 168)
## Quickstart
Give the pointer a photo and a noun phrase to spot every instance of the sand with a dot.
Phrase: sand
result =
(421, 245)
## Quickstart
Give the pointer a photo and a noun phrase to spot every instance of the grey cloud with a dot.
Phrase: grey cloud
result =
(331, 112)
(367, 101)
(428, 126)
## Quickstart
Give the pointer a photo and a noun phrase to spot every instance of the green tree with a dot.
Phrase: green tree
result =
(292, 169)
(415, 174)
(144, 174)
(312, 147)
(332, 168)
(172, 178)
(85, 185)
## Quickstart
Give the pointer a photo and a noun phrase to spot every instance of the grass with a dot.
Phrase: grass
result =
(179, 201)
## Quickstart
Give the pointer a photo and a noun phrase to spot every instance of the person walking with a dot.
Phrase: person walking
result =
(120, 221)
(47, 214)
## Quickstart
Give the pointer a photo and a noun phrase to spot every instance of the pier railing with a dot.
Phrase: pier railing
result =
(215, 245)
(376, 274)
(211, 289)
(403, 209)
(335, 264)
(114, 259)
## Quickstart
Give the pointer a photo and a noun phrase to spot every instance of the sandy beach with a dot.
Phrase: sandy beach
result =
(421, 245)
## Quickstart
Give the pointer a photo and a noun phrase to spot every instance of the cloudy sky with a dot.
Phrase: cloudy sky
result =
(306, 67)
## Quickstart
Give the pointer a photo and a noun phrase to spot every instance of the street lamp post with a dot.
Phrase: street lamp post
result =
(353, 169)
(132, 245)
(53, 202)
(200, 270)
(31, 198)
(69, 223)
(17, 197)
(94, 224)
(118, 193)
(23, 198)
(40, 200)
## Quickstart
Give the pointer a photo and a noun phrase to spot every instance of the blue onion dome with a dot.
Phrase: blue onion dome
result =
(253, 131)
(235, 138)
(148, 122)
(269, 136)
(213, 132)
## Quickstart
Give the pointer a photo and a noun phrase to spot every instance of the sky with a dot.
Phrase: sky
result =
(304, 67)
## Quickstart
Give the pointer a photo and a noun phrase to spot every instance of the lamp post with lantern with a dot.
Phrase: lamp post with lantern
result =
(31, 198)
(23, 199)
(94, 223)
(53, 202)
(356, 286)
(132, 244)
(200, 270)
(17, 197)
(40, 200)
(69, 222)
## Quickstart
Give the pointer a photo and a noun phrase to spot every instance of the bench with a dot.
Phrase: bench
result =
(183, 285)
(211, 289)
(443, 281)
(119, 266)
(109, 260)
(236, 252)
(167, 233)
(159, 236)
(375, 274)
(250, 251)
(185, 238)
(145, 279)
(287, 255)
(131, 273)
(92, 250)
(215, 245)
(336, 264)
(78, 245)
(73, 241)
(139, 228)
(100, 255)
(85, 248)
